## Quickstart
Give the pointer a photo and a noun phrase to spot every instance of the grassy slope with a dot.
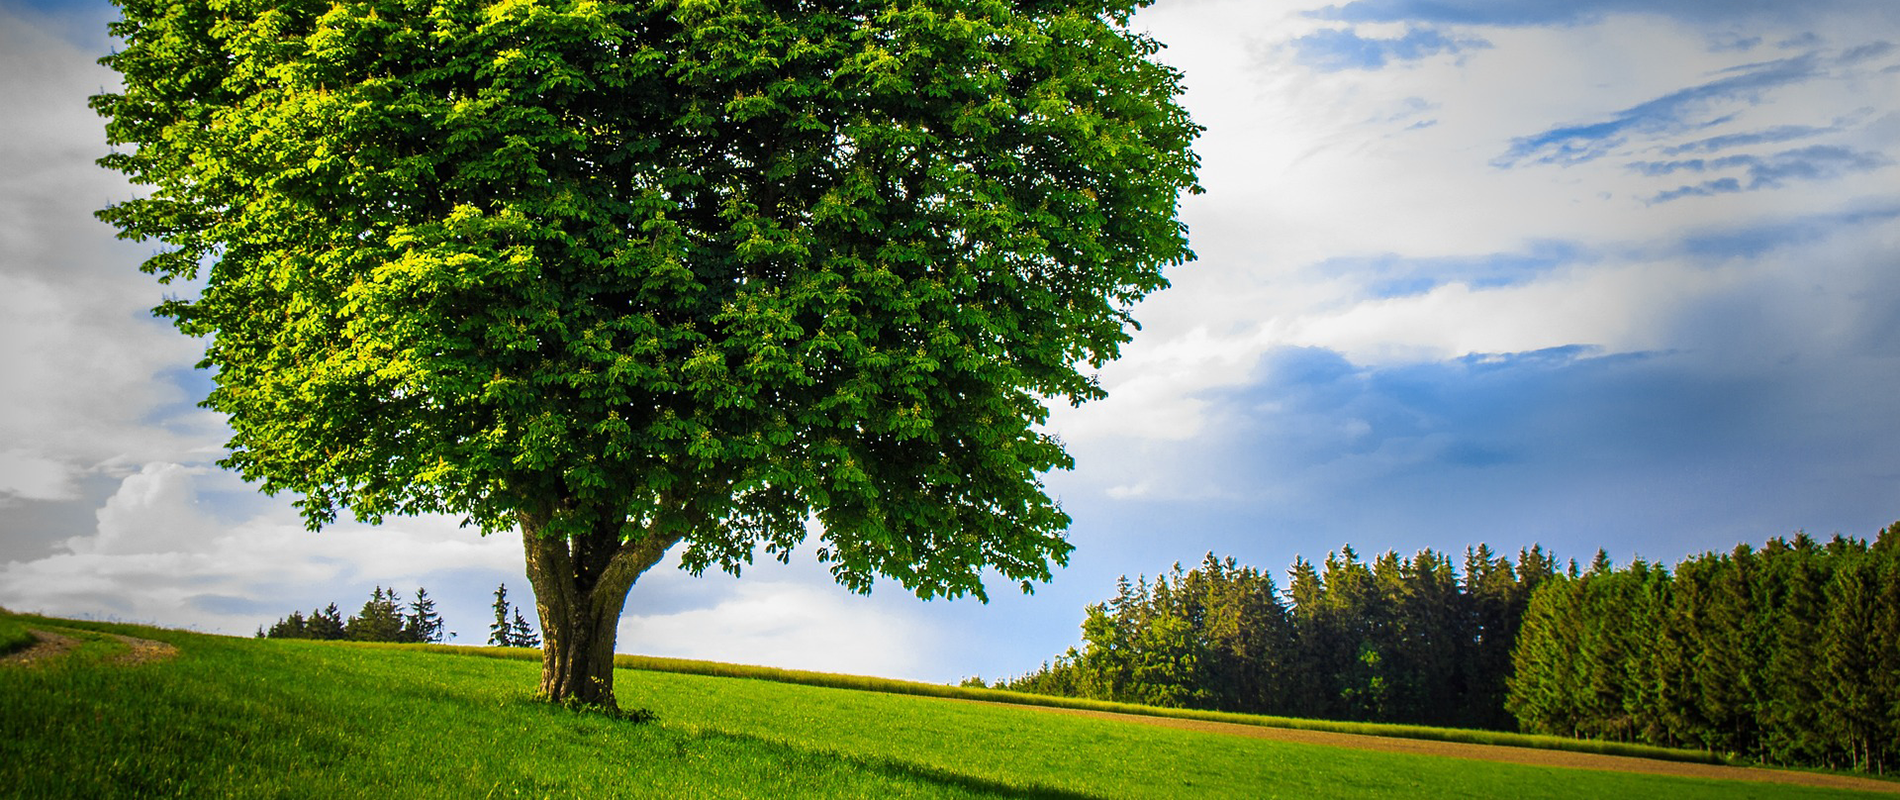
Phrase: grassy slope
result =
(238, 717)
(13, 634)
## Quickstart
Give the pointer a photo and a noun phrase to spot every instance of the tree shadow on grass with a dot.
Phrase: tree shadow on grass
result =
(905, 770)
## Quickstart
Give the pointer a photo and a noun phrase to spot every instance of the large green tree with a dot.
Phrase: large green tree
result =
(632, 275)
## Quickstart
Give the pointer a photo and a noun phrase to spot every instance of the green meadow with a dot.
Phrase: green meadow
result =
(231, 717)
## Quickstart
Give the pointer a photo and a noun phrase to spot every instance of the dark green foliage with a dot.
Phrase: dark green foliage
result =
(1788, 655)
(509, 629)
(380, 620)
(521, 634)
(1397, 640)
(422, 624)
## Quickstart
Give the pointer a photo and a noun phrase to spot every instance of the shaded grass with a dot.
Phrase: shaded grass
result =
(13, 634)
(276, 718)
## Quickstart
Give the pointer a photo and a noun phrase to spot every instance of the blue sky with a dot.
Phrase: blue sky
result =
(1613, 274)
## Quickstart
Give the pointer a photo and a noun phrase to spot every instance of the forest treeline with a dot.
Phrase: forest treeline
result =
(385, 619)
(382, 619)
(1789, 654)
(1413, 640)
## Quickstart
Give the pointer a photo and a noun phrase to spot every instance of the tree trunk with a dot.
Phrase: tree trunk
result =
(580, 585)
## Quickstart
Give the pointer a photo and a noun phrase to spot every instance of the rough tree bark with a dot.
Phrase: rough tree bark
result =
(580, 585)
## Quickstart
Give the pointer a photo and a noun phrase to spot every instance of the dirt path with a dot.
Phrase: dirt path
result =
(1486, 752)
(50, 645)
(53, 645)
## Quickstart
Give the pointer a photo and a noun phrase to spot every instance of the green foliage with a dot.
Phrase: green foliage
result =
(659, 268)
(422, 624)
(1397, 640)
(381, 619)
(241, 718)
(507, 631)
(1783, 655)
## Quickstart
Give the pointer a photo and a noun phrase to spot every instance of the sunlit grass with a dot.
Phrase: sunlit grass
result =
(893, 686)
(251, 718)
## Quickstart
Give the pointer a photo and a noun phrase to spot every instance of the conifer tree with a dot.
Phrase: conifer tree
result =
(290, 627)
(327, 624)
(422, 624)
(521, 633)
(502, 632)
(380, 620)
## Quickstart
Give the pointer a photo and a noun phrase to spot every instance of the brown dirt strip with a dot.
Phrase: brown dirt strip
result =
(143, 650)
(50, 645)
(53, 645)
(1490, 752)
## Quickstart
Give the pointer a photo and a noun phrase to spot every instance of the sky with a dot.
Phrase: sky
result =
(1617, 274)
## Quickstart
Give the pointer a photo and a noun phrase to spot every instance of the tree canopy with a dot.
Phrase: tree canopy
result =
(632, 274)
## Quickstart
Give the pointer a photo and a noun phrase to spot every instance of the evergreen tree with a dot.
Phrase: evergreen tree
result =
(501, 633)
(1790, 729)
(291, 627)
(327, 624)
(521, 633)
(422, 624)
(380, 620)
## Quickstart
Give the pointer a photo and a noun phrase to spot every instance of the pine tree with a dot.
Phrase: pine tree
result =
(522, 634)
(380, 620)
(291, 627)
(501, 633)
(327, 624)
(422, 624)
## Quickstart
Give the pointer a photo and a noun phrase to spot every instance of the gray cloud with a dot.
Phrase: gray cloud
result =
(1676, 112)
(1818, 162)
(1523, 13)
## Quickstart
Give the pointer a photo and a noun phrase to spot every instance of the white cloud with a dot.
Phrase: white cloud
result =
(795, 625)
(89, 373)
(29, 475)
(160, 551)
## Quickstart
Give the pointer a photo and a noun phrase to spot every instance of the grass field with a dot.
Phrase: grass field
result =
(13, 634)
(274, 718)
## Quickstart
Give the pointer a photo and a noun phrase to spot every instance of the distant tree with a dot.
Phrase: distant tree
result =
(290, 627)
(422, 624)
(521, 634)
(327, 624)
(625, 276)
(501, 633)
(380, 620)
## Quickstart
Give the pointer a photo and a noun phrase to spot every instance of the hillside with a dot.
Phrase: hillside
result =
(245, 718)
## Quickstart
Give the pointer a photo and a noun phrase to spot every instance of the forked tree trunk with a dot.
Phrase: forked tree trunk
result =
(580, 585)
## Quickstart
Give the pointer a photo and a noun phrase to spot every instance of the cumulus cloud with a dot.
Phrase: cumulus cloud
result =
(161, 553)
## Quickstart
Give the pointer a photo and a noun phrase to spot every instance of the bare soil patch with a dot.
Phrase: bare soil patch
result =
(50, 645)
(54, 645)
(143, 650)
(1487, 752)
